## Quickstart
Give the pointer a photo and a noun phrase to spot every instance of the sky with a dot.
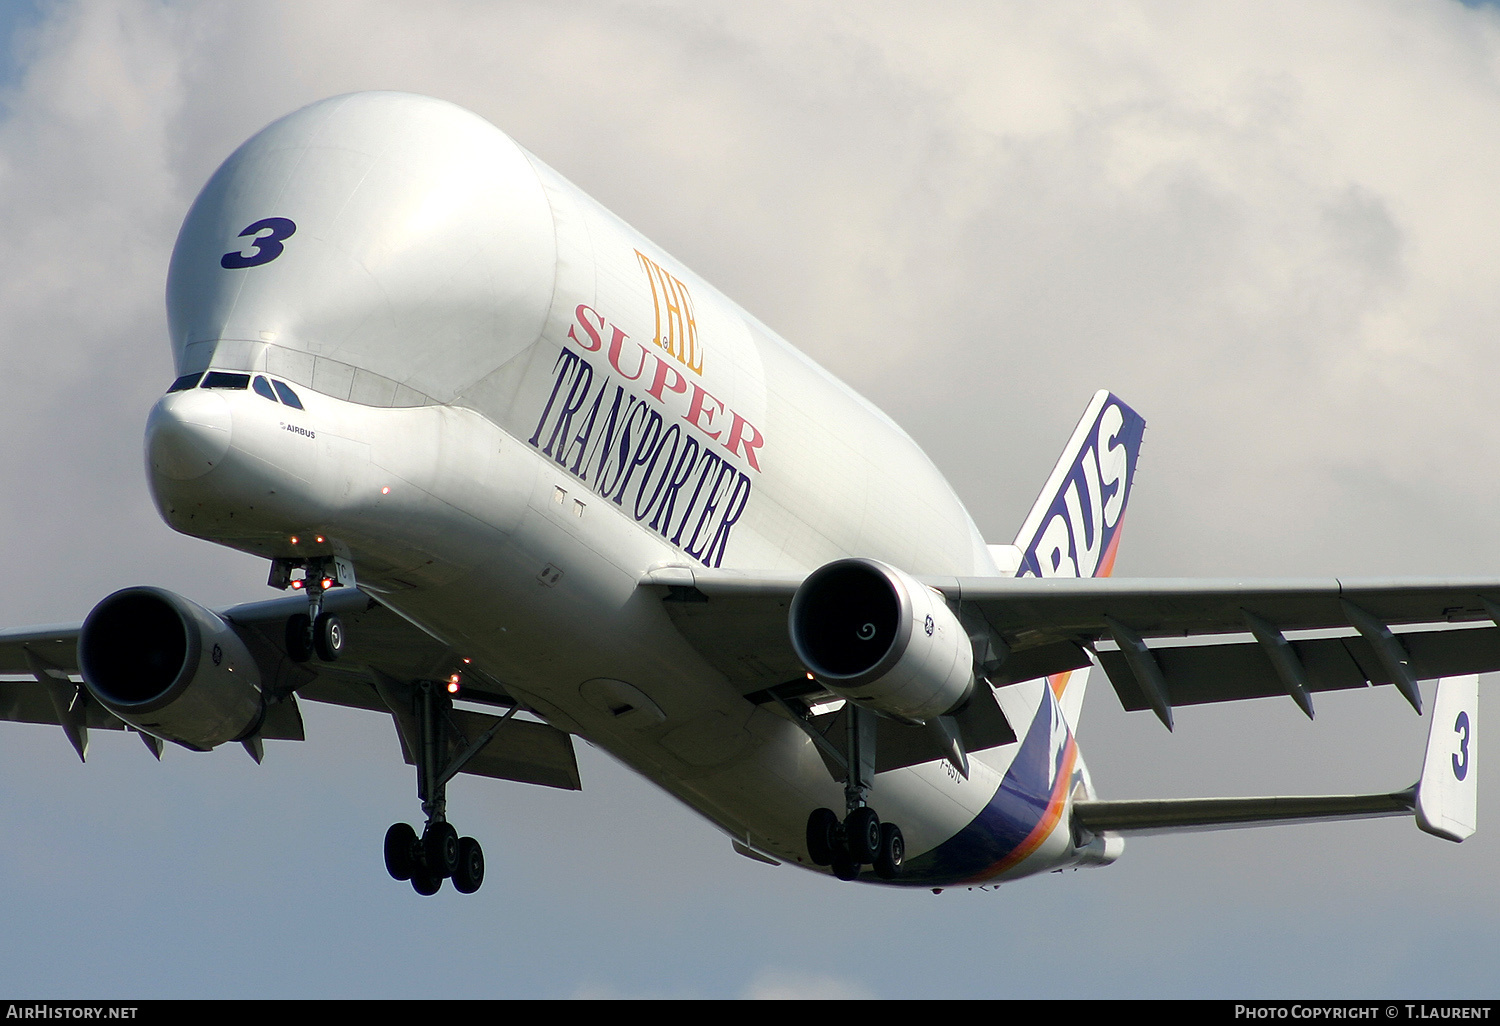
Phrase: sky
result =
(1268, 226)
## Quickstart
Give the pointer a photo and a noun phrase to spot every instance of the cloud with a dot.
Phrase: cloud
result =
(769, 984)
(778, 984)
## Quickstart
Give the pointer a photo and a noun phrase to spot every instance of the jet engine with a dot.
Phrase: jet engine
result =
(878, 637)
(170, 668)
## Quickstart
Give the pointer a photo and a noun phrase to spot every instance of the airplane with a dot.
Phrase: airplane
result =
(527, 478)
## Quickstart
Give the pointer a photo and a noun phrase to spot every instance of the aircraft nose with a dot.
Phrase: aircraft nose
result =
(187, 434)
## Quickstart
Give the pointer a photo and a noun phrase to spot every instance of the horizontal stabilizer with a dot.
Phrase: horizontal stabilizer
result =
(1444, 800)
(1174, 815)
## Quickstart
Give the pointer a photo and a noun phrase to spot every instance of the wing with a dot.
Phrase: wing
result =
(1162, 642)
(384, 657)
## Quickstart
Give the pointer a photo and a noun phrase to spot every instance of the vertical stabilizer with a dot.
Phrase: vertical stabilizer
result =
(1447, 794)
(1073, 530)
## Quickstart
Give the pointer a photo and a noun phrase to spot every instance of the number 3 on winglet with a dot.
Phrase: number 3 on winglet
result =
(263, 248)
(1461, 726)
(1447, 795)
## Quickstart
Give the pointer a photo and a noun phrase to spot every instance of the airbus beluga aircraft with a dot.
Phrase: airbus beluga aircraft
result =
(525, 477)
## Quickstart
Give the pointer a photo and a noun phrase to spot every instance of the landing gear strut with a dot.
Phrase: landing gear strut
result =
(317, 632)
(439, 853)
(860, 839)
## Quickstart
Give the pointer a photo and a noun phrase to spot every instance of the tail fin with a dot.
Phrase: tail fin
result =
(1447, 795)
(1073, 530)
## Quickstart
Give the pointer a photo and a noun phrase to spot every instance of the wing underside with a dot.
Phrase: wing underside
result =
(1163, 643)
(386, 656)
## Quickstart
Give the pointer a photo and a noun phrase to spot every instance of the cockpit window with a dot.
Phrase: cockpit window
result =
(223, 379)
(263, 387)
(287, 395)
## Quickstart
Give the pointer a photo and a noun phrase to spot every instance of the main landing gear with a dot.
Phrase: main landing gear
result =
(439, 853)
(860, 839)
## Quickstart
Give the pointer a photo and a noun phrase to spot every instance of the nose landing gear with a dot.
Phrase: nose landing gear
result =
(317, 632)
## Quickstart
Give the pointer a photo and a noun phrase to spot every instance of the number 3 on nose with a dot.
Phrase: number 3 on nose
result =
(263, 248)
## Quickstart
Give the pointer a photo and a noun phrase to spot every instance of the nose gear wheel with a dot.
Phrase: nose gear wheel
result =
(315, 632)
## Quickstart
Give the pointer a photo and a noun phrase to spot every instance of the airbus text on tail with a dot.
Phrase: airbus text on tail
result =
(1074, 528)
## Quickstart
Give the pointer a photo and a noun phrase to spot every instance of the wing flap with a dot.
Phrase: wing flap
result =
(1234, 671)
(1039, 661)
(982, 725)
(520, 750)
(28, 702)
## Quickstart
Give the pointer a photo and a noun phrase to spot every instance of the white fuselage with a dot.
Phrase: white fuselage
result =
(515, 407)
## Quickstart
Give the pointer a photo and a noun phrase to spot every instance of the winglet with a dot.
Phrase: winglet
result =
(1447, 794)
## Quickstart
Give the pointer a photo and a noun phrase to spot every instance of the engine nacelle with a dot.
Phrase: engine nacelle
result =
(878, 637)
(171, 668)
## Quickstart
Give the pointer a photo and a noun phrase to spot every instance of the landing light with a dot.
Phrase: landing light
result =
(294, 540)
(386, 490)
(824, 708)
(453, 684)
(320, 539)
(297, 585)
(327, 583)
